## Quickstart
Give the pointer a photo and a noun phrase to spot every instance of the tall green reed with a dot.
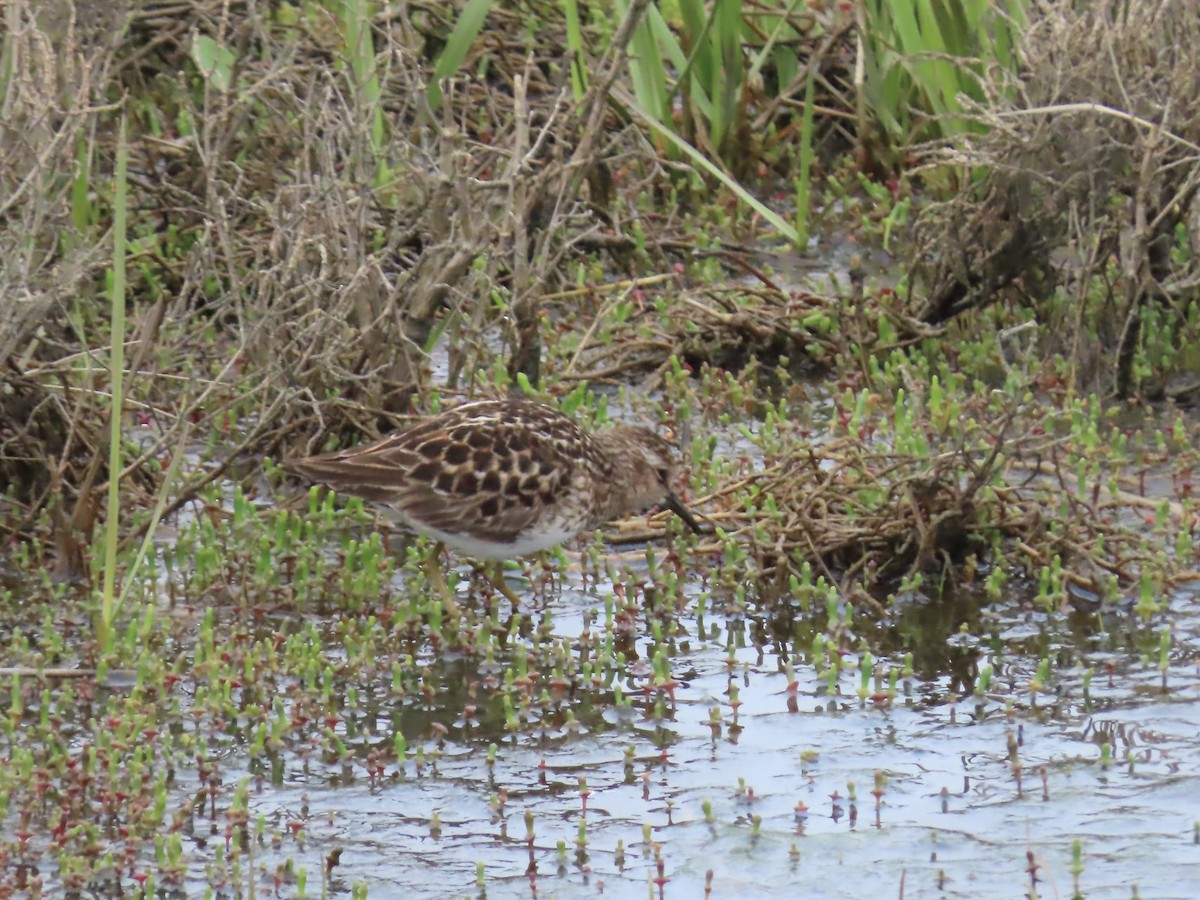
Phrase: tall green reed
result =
(921, 58)
(108, 600)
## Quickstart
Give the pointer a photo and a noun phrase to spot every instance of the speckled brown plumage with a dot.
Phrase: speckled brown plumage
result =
(502, 478)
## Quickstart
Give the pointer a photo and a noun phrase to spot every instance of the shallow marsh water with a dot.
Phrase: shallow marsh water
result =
(951, 818)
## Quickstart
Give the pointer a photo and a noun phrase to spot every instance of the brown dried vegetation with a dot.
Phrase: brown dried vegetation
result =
(1090, 156)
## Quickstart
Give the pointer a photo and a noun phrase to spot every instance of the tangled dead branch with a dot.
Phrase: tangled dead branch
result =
(1091, 157)
(865, 510)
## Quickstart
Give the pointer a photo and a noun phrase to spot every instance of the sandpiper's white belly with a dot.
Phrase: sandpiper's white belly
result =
(523, 545)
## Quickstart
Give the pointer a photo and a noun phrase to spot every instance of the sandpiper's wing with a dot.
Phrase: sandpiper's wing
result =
(487, 470)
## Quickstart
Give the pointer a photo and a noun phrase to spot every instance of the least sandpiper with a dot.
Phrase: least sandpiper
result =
(498, 479)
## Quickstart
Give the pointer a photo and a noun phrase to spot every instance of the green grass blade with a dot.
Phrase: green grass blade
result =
(777, 222)
(696, 23)
(689, 82)
(360, 48)
(647, 71)
(727, 86)
(108, 600)
(466, 29)
(579, 79)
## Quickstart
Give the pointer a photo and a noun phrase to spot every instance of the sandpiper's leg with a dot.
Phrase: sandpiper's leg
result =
(437, 578)
(494, 572)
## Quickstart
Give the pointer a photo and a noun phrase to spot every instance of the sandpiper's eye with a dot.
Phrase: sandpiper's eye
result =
(664, 475)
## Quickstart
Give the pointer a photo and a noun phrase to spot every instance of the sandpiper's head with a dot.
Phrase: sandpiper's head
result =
(645, 473)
